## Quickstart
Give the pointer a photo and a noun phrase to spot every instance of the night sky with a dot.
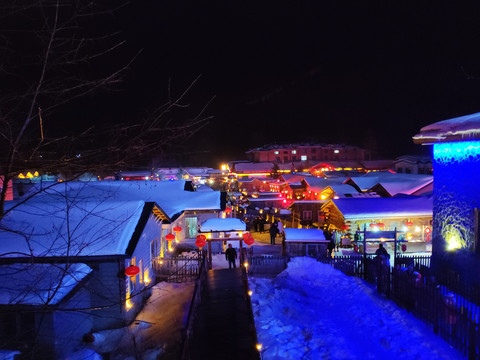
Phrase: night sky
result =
(369, 74)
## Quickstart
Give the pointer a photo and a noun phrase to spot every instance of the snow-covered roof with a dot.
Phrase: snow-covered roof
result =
(392, 207)
(465, 127)
(39, 284)
(169, 195)
(403, 182)
(218, 224)
(79, 228)
(304, 235)
(405, 187)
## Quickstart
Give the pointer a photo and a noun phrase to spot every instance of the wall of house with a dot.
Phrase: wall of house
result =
(456, 196)
(144, 260)
(71, 326)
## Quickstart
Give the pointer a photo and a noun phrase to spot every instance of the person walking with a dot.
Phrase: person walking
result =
(273, 232)
(231, 255)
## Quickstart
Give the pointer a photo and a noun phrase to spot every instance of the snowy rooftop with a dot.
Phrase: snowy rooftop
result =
(39, 284)
(169, 195)
(368, 208)
(91, 228)
(218, 224)
(304, 235)
(456, 129)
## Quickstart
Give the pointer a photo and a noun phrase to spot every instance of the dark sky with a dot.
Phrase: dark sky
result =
(357, 72)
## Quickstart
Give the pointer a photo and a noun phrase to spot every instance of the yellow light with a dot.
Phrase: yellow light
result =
(146, 277)
(240, 234)
(250, 292)
(417, 229)
(21, 176)
(245, 264)
(170, 249)
(322, 197)
(161, 262)
(409, 236)
(259, 347)
(209, 235)
(453, 243)
(336, 197)
(128, 304)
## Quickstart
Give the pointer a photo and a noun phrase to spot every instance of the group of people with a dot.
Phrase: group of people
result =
(259, 224)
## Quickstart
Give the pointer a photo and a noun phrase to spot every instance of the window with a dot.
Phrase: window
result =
(303, 157)
(276, 152)
(294, 151)
(307, 215)
(140, 274)
(336, 151)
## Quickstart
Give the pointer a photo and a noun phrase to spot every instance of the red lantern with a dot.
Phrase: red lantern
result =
(345, 227)
(380, 224)
(132, 270)
(248, 239)
(408, 223)
(170, 237)
(228, 210)
(201, 241)
(177, 229)
(404, 247)
(373, 225)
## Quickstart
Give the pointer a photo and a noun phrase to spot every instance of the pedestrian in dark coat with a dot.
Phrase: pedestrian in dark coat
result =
(231, 255)
(273, 232)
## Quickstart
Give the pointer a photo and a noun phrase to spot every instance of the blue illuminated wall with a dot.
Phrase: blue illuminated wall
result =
(456, 171)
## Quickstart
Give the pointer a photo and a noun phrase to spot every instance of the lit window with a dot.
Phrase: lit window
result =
(294, 151)
(303, 157)
(336, 151)
(276, 152)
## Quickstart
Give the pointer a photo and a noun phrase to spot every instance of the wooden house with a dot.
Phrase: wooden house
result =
(306, 242)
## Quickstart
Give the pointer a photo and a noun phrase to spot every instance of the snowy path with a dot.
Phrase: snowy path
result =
(312, 311)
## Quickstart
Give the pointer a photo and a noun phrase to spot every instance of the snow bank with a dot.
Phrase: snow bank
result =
(312, 311)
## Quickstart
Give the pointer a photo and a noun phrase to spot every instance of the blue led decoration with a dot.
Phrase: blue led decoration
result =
(456, 151)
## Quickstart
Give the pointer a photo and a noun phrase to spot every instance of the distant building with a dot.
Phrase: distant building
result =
(414, 164)
(306, 152)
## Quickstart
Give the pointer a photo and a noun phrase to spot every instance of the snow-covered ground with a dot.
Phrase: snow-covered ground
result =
(312, 311)
(156, 330)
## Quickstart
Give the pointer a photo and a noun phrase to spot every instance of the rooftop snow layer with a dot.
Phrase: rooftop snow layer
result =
(77, 228)
(39, 284)
(456, 129)
(217, 224)
(169, 195)
(304, 235)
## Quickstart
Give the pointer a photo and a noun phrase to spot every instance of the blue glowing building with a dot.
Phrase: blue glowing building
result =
(456, 189)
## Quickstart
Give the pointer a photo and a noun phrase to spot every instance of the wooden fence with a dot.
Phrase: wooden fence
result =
(187, 332)
(443, 302)
(267, 266)
(178, 269)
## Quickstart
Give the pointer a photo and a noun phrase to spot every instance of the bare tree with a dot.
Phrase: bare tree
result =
(53, 52)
